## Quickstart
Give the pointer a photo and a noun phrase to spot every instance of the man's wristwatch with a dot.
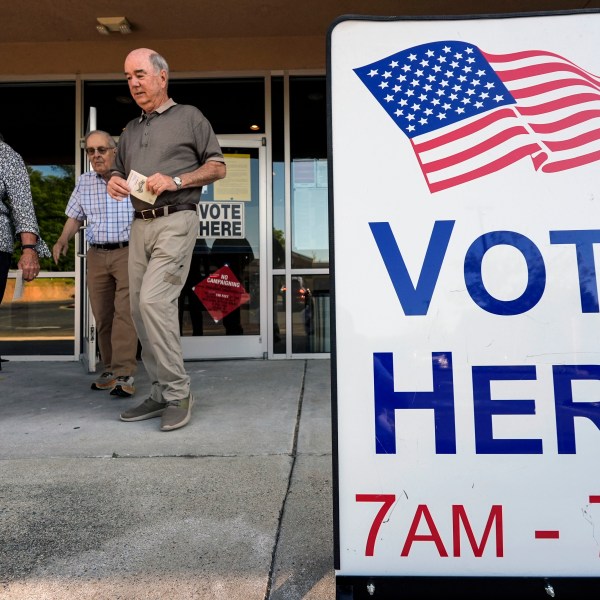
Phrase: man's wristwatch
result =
(178, 182)
(30, 246)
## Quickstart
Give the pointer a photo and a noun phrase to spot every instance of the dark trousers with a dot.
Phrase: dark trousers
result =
(5, 258)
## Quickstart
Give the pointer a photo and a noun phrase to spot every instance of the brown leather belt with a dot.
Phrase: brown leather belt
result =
(110, 246)
(163, 211)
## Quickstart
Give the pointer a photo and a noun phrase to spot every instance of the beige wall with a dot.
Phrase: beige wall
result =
(59, 37)
(107, 56)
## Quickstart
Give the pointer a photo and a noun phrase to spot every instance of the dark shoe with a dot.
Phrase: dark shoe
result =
(148, 409)
(105, 382)
(177, 414)
(123, 387)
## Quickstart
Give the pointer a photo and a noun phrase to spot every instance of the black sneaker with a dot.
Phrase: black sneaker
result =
(123, 386)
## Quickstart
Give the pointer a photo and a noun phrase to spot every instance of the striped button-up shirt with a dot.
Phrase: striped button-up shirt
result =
(108, 220)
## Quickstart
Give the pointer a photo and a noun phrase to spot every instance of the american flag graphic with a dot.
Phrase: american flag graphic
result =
(468, 113)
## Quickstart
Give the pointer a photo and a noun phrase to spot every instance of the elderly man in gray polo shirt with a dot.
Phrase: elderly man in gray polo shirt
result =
(170, 152)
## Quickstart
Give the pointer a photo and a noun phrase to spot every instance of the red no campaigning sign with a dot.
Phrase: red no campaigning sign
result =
(221, 293)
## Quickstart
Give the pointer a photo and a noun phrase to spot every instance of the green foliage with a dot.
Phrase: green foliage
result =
(279, 236)
(50, 196)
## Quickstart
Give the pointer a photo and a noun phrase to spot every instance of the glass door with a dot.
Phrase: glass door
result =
(223, 307)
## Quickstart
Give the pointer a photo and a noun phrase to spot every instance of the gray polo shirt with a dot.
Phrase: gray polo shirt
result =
(172, 140)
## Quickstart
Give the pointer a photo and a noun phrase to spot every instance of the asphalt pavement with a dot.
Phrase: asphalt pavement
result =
(237, 505)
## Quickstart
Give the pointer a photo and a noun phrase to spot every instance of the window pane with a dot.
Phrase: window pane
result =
(278, 216)
(279, 328)
(310, 313)
(279, 233)
(309, 187)
(42, 320)
(42, 136)
(310, 231)
(231, 105)
(51, 188)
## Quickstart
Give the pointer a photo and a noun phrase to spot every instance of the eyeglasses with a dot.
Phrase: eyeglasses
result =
(100, 149)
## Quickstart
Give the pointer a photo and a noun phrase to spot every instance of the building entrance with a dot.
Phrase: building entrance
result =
(221, 309)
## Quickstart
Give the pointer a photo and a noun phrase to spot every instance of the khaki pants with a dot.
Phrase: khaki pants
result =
(108, 286)
(160, 251)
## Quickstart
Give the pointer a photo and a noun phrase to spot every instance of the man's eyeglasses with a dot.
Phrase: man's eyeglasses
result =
(100, 149)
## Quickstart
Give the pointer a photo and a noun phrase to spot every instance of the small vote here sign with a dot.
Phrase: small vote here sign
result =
(221, 219)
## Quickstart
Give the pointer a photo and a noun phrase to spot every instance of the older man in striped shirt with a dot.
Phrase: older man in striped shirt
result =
(107, 231)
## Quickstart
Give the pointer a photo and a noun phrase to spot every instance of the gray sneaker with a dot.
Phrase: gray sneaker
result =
(177, 414)
(148, 409)
(106, 381)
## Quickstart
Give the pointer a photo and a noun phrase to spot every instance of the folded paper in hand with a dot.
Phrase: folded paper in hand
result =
(137, 185)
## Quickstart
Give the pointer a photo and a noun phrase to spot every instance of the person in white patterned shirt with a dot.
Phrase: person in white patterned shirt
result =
(17, 219)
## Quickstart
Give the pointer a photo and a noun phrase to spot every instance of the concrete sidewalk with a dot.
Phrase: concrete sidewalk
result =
(234, 506)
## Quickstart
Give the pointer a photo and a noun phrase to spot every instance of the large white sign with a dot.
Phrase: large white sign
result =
(465, 179)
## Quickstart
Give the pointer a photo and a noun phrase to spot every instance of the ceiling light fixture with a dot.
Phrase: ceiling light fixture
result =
(108, 25)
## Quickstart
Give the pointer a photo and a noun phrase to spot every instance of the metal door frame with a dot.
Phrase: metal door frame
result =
(87, 334)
